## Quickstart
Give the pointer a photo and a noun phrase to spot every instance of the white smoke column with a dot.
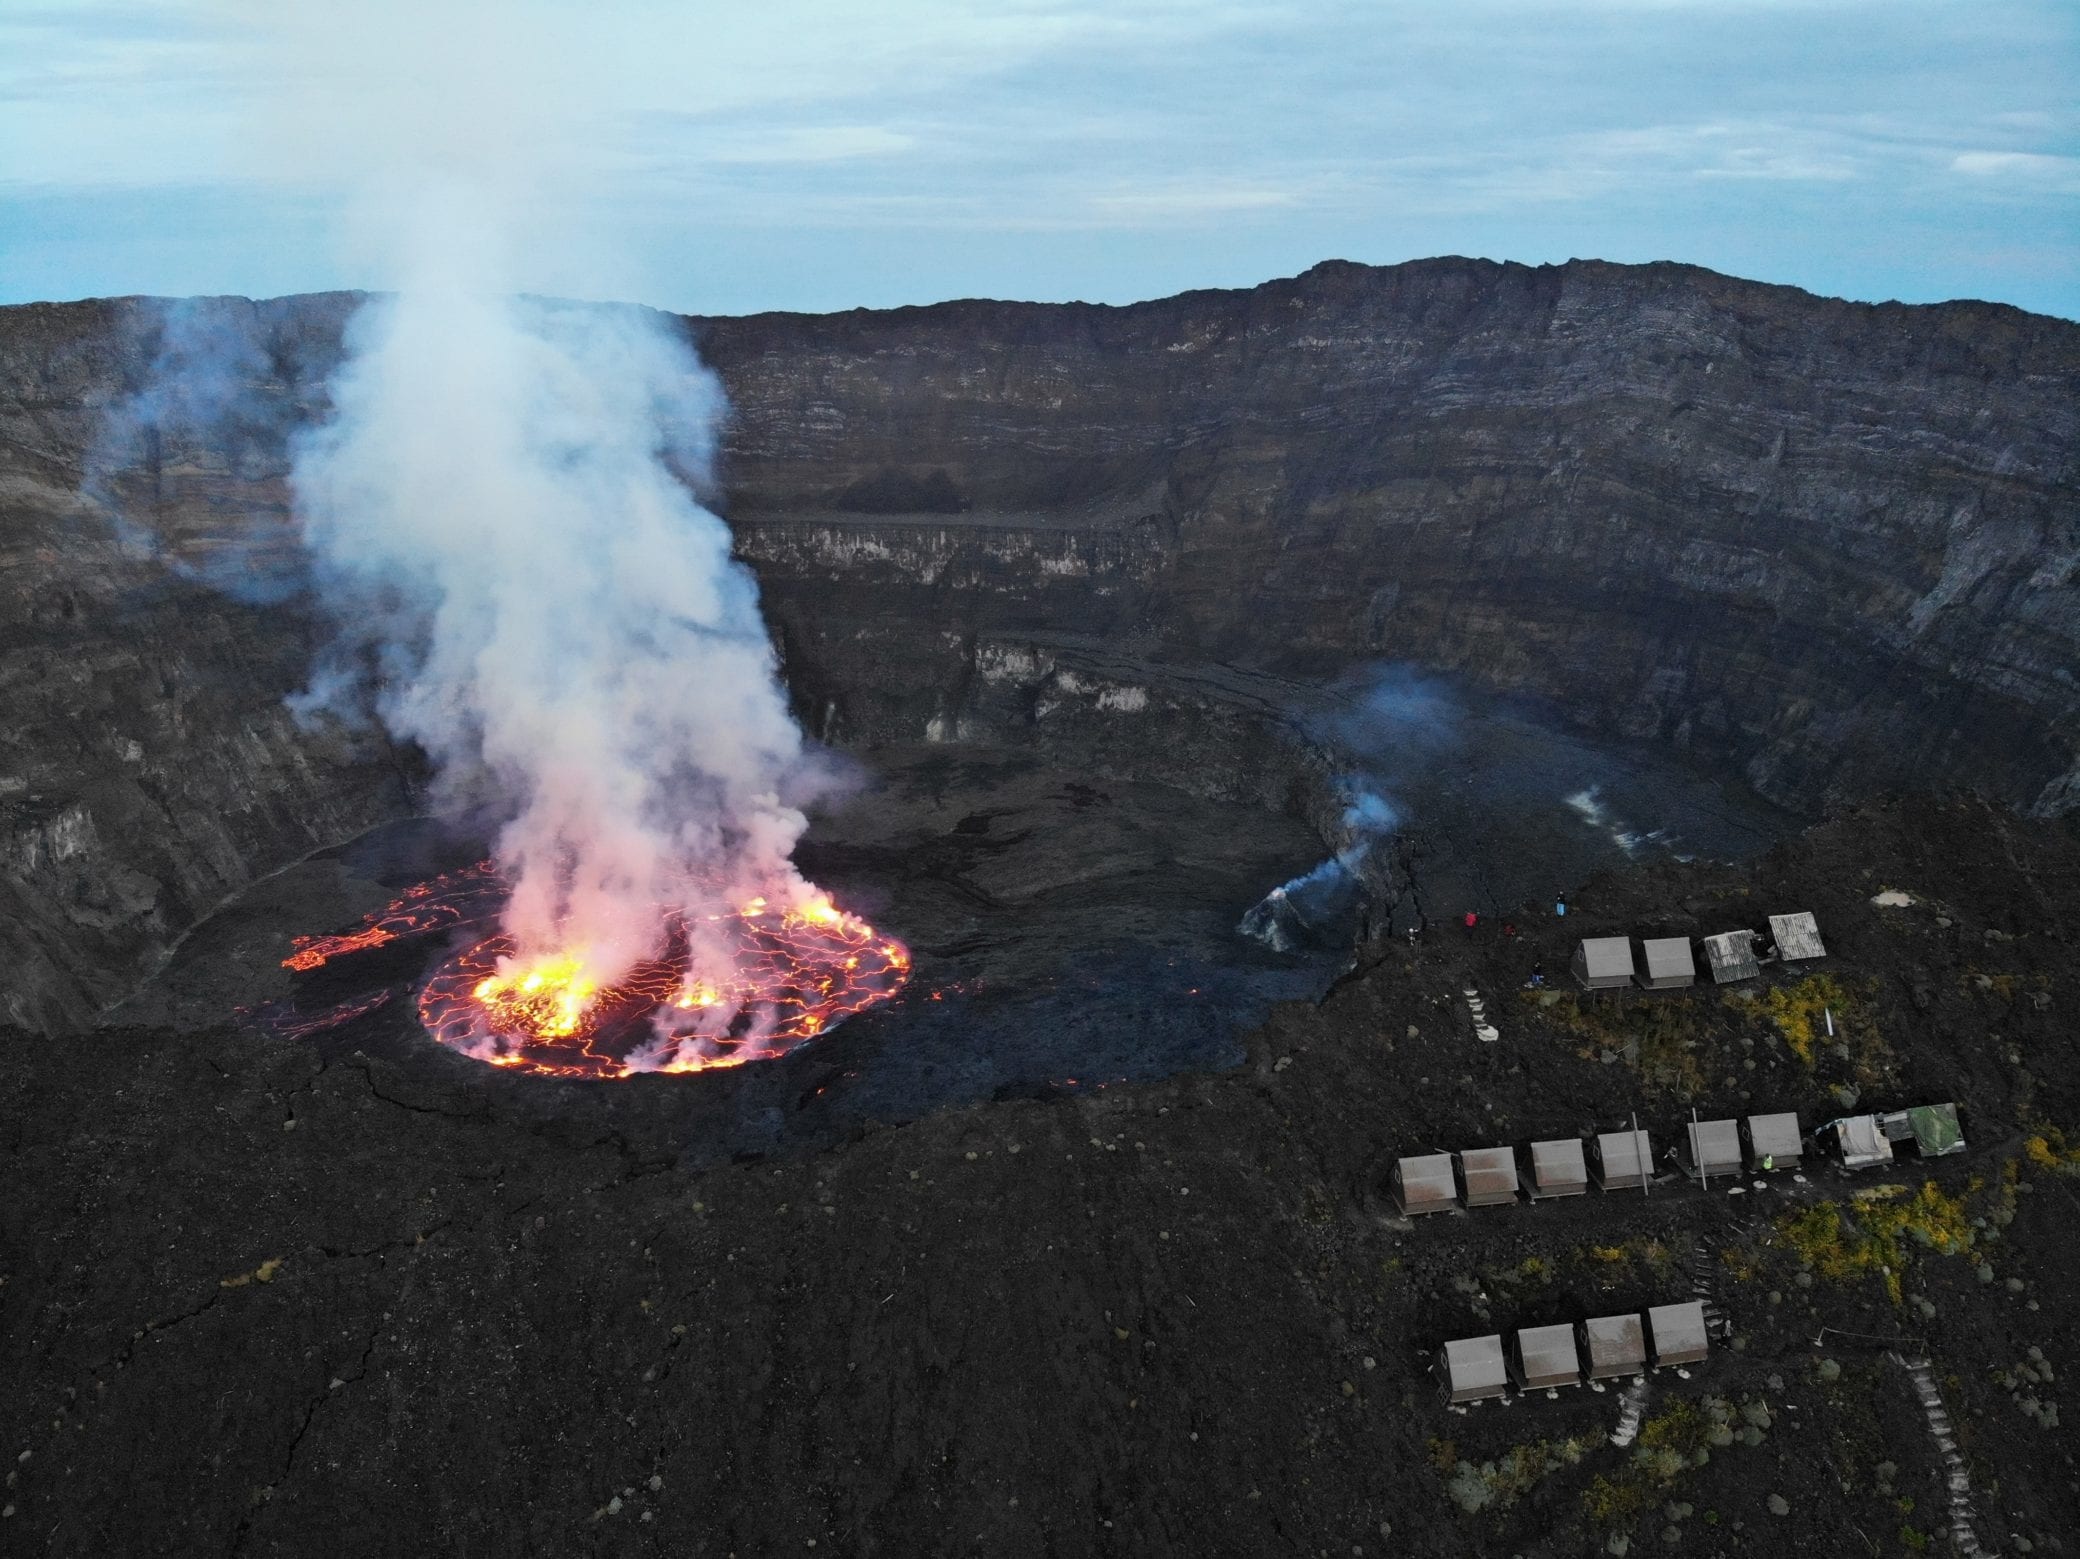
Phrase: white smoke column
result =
(569, 625)
(497, 527)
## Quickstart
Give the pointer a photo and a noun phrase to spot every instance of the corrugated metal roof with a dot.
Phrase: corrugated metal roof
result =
(1678, 1332)
(1607, 957)
(1669, 958)
(1559, 1162)
(1714, 1145)
(1548, 1356)
(1475, 1364)
(1617, 1344)
(1426, 1181)
(1731, 956)
(1775, 1136)
(1797, 936)
(1625, 1152)
(1491, 1174)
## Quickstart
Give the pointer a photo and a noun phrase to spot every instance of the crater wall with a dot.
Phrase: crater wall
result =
(1827, 547)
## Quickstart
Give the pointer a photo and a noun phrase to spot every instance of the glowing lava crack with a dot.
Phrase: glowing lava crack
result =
(792, 974)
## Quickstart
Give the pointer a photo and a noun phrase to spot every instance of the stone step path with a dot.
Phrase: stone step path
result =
(1630, 1412)
(1964, 1535)
(1704, 1287)
(1483, 1030)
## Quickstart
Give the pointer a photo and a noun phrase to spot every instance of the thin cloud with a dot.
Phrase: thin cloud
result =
(1685, 129)
(2026, 165)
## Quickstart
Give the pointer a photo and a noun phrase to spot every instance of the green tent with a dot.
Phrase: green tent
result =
(1935, 1129)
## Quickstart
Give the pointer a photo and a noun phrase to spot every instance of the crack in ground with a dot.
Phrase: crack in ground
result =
(385, 1247)
(265, 1494)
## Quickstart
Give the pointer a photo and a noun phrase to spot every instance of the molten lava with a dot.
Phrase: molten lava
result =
(765, 979)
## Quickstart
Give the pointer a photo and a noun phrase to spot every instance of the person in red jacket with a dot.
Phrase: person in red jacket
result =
(1472, 920)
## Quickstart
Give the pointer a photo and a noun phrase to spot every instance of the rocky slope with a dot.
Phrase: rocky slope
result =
(1828, 546)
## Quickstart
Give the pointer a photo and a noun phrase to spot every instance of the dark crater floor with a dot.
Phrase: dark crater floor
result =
(1071, 931)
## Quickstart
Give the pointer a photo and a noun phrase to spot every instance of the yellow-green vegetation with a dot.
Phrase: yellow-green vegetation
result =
(1669, 1440)
(2050, 1149)
(1519, 1279)
(1475, 1486)
(1679, 1437)
(1877, 1231)
(1800, 1010)
(1612, 1504)
(1642, 1255)
(1658, 1038)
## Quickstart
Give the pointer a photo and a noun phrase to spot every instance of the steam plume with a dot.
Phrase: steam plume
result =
(498, 522)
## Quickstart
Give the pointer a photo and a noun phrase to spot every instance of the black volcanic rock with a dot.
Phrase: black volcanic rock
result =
(1827, 545)
(255, 1301)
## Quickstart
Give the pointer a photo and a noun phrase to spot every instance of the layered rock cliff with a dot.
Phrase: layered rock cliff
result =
(1830, 547)
(1830, 544)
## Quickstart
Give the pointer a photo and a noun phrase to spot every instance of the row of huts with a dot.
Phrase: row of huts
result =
(1545, 1358)
(1666, 963)
(1624, 1160)
(1490, 1177)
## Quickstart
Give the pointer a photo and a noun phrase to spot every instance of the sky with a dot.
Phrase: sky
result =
(829, 154)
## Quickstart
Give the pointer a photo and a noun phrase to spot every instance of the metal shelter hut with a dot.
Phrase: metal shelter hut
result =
(1615, 1345)
(1558, 1168)
(1678, 1333)
(1731, 957)
(1471, 1369)
(1712, 1148)
(1797, 937)
(1545, 1357)
(1624, 1159)
(1423, 1184)
(1603, 963)
(1774, 1141)
(1668, 962)
(1490, 1176)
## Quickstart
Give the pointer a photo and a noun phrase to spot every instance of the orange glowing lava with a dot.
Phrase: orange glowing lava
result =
(765, 979)
(446, 901)
(784, 977)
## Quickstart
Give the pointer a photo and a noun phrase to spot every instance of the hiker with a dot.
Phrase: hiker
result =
(1472, 920)
(1538, 977)
(1415, 934)
(1560, 906)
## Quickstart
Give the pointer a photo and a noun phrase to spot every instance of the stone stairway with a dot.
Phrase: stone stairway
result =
(1630, 1412)
(1704, 1287)
(1964, 1535)
(1483, 1030)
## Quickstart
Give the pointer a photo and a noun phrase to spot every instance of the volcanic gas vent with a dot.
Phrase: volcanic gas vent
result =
(724, 988)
